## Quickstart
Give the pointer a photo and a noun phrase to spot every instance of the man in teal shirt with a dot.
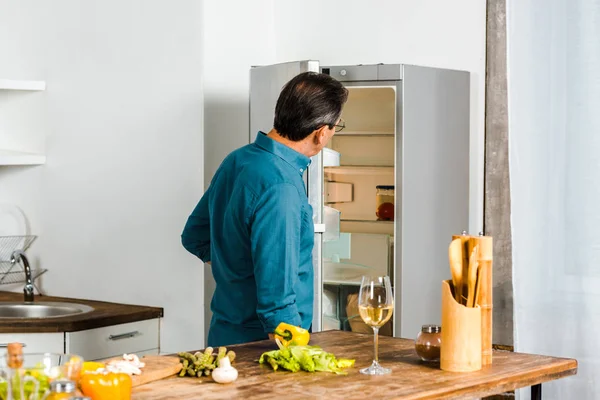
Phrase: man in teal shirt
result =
(254, 224)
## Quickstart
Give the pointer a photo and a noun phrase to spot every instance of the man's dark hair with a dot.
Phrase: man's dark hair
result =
(307, 102)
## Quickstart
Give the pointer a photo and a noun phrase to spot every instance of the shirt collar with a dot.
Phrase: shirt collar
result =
(299, 161)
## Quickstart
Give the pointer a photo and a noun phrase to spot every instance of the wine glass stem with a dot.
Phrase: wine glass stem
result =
(376, 343)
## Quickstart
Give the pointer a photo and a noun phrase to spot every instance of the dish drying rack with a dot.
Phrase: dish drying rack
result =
(11, 268)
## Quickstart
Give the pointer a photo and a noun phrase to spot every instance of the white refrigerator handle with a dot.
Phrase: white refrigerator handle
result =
(319, 228)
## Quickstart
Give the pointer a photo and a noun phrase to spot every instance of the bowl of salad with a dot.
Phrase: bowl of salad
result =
(32, 380)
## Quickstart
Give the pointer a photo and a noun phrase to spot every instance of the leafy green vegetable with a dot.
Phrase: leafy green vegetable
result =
(305, 358)
(27, 379)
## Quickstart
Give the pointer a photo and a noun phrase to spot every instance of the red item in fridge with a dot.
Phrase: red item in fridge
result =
(385, 212)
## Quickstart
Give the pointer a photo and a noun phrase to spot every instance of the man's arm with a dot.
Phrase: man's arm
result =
(275, 240)
(196, 234)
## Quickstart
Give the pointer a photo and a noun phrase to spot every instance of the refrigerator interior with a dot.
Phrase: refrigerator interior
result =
(365, 242)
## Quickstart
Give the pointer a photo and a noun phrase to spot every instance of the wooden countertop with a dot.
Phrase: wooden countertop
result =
(410, 378)
(104, 314)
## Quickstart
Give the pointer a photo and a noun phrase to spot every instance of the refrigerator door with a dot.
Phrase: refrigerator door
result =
(266, 83)
(433, 171)
(315, 198)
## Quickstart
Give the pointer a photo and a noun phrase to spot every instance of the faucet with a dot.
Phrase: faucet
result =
(28, 289)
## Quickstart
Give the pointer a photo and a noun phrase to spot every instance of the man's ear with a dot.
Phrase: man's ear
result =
(321, 137)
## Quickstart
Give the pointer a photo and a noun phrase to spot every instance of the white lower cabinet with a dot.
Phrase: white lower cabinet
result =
(115, 340)
(141, 338)
(35, 342)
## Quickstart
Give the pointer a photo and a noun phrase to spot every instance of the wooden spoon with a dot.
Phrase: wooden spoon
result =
(472, 277)
(455, 256)
(477, 286)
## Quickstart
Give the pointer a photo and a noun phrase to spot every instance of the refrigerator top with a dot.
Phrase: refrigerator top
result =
(371, 72)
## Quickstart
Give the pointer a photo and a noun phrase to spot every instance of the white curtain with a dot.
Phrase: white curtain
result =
(554, 120)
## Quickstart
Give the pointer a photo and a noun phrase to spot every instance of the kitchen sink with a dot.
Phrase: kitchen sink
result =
(41, 309)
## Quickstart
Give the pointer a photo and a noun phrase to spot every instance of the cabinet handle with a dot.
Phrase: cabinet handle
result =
(123, 335)
(5, 345)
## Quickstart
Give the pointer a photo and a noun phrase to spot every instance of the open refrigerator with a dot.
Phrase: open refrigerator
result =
(387, 191)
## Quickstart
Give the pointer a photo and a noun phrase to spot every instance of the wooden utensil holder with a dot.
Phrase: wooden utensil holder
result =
(461, 334)
(485, 259)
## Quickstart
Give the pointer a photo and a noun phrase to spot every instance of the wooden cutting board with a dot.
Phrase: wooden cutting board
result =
(157, 368)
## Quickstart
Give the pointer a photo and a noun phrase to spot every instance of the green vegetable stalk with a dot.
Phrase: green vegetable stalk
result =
(202, 363)
(231, 355)
(222, 353)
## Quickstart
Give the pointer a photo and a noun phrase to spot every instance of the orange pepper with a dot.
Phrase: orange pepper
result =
(106, 386)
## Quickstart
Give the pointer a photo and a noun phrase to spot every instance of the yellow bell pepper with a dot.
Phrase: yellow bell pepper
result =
(291, 335)
(91, 366)
(106, 386)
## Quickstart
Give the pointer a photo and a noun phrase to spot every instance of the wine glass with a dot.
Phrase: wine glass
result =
(375, 305)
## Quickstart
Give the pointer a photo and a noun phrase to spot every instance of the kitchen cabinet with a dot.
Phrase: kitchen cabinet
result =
(140, 337)
(96, 344)
(408, 127)
(35, 342)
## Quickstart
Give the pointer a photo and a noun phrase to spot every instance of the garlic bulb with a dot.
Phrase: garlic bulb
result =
(225, 373)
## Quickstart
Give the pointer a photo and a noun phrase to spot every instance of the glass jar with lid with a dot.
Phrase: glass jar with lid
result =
(429, 342)
(62, 390)
(384, 202)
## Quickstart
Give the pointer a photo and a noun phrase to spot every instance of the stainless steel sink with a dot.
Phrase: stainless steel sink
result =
(41, 309)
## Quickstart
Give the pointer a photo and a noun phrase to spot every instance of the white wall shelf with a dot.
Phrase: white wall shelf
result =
(359, 170)
(12, 84)
(10, 157)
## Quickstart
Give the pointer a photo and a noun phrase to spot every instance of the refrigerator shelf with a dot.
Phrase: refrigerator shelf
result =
(359, 170)
(344, 273)
(341, 283)
(364, 133)
(371, 221)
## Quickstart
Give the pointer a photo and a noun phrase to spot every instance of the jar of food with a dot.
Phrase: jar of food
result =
(429, 342)
(384, 203)
(62, 390)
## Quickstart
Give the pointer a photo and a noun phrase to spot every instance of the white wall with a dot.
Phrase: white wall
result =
(233, 42)
(436, 33)
(122, 126)
(237, 35)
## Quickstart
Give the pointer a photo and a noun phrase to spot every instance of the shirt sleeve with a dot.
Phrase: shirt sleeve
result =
(196, 233)
(275, 242)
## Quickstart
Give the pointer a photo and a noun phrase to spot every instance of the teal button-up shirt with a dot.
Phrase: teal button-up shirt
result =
(255, 226)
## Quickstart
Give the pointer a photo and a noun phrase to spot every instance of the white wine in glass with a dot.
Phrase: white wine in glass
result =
(375, 305)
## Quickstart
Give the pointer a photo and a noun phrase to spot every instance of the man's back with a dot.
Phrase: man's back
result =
(261, 238)
(254, 224)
